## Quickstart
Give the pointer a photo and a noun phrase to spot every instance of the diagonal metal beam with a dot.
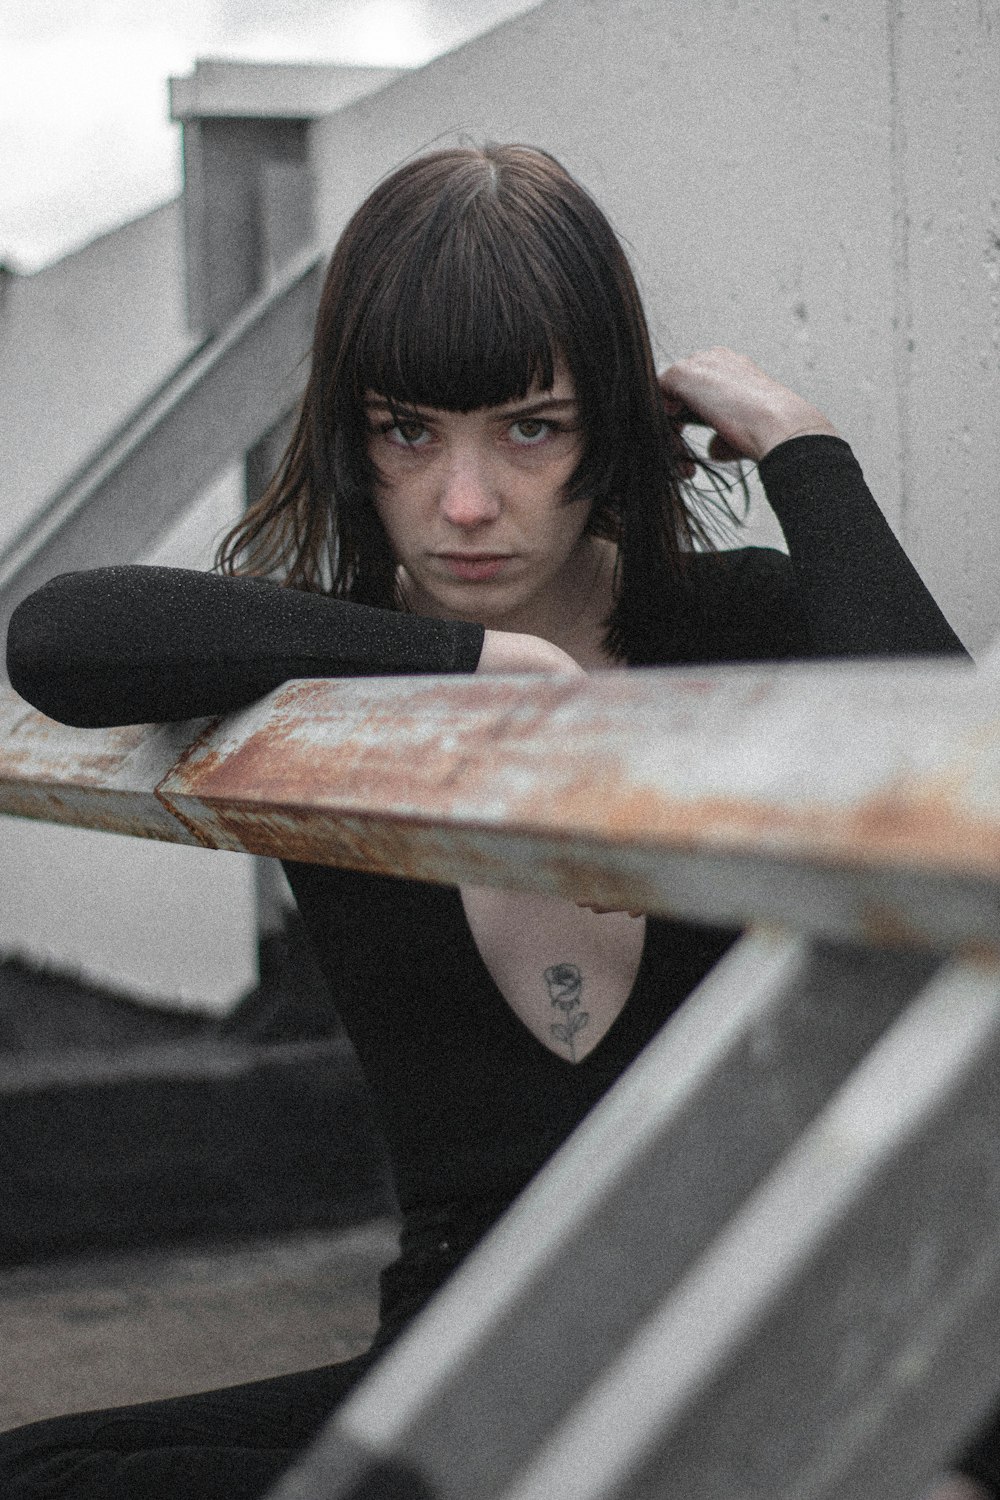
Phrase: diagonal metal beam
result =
(211, 412)
(838, 1340)
(567, 1281)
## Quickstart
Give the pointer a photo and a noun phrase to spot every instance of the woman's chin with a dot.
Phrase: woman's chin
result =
(492, 602)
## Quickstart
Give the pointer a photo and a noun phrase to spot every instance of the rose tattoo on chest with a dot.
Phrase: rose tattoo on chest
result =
(565, 986)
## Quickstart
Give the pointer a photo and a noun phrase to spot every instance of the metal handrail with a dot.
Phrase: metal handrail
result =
(859, 801)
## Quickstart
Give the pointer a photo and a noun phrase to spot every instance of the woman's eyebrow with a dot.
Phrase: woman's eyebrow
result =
(382, 403)
(539, 405)
(526, 408)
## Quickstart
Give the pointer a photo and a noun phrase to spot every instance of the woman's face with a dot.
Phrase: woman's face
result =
(473, 505)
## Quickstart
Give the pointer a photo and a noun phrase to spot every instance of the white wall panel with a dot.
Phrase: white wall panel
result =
(159, 922)
(82, 343)
(765, 164)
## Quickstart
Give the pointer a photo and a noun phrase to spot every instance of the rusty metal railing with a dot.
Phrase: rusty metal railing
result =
(771, 1252)
(858, 802)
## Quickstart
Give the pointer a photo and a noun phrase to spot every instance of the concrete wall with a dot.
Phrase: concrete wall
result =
(815, 184)
(82, 343)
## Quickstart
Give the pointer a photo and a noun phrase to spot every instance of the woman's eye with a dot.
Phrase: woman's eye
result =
(408, 434)
(529, 431)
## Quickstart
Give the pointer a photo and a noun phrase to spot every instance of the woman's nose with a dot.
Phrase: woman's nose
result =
(467, 496)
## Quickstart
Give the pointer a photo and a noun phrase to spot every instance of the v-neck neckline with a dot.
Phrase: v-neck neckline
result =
(521, 1026)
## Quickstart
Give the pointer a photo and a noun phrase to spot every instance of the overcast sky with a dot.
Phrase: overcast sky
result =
(83, 94)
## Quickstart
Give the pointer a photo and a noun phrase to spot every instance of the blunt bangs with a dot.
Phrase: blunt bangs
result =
(460, 320)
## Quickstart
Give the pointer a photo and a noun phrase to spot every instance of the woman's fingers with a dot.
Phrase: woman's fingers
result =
(750, 411)
(506, 652)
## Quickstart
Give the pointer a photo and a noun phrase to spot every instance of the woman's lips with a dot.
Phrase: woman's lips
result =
(473, 567)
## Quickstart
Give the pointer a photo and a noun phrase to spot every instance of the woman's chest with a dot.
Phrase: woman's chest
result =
(565, 972)
(411, 978)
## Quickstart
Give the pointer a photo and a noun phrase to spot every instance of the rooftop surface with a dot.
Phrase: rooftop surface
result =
(165, 1228)
(88, 1332)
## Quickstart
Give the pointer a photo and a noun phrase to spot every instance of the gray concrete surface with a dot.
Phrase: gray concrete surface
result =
(100, 1331)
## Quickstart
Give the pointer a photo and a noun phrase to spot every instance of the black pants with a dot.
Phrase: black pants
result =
(221, 1445)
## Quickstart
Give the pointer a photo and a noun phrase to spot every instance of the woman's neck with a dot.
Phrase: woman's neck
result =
(576, 618)
(572, 613)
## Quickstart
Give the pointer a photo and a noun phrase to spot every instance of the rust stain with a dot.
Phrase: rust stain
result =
(93, 771)
(99, 810)
(425, 739)
(904, 826)
(196, 747)
(38, 750)
(455, 706)
(197, 833)
(314, 839)
(278, 762)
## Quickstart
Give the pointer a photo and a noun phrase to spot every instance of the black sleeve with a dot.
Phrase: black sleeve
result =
(858, 592)
(844, 588)
(135, 645)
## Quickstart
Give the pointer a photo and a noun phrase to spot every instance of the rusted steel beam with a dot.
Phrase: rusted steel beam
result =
(91, 778)
(855, 800)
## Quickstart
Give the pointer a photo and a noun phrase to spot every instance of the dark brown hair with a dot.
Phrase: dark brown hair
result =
(456, 285)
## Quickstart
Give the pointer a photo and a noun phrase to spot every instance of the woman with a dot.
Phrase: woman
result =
(486, 476)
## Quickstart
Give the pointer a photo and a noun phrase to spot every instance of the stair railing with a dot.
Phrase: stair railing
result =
(214, 409)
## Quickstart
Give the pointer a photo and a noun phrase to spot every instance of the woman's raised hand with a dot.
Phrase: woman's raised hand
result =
(749, 410)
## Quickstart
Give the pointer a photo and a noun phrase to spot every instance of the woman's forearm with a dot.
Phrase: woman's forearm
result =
(131, 645)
